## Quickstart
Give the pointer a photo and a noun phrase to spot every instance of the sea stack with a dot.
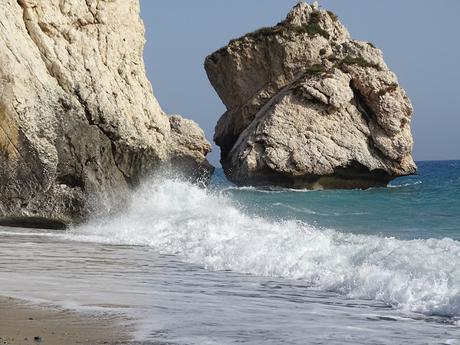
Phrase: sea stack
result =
(79, 124)
(308, 107)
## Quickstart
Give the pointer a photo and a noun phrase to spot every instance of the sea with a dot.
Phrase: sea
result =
(220, 264)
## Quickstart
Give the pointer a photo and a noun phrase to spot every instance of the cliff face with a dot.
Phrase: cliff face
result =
(308, 107)
(79, 124)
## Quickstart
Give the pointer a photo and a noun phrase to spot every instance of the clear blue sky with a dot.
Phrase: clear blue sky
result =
(419, 38)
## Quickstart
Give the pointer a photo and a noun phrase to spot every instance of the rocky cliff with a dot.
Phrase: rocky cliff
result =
(79, 124)
(308, 107)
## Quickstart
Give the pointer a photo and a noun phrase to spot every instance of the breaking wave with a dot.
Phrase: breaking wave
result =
(212, 230)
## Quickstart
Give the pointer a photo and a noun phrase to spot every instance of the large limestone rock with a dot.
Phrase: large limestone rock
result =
(79, 124)
(308, 107)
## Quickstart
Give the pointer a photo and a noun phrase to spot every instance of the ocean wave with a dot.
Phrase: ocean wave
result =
(405, 184)
(251, 189)
(299, 209)
(209, 229)
(313, 212)
(268, 190)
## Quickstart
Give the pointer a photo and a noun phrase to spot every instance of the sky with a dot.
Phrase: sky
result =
(419, 38)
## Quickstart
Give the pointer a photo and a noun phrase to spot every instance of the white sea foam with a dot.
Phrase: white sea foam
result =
(405, 184)
(269, 190)
(209, 229)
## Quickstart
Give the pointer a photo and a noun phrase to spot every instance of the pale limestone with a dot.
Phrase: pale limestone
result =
(308, 107)
(79, 124)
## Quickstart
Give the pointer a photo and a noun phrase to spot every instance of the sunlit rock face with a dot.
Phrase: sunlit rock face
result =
(308, 107)
(79, 124)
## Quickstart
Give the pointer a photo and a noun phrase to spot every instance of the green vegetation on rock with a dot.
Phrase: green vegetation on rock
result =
(333, 16)
(316, 69)
(350, 60)
(311, 28)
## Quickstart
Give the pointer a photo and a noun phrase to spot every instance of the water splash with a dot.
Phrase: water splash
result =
(210, 229)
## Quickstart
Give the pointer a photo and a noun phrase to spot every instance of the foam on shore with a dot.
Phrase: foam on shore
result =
(209, 229)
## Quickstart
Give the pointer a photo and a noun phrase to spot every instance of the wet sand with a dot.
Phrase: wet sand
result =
(22, 323)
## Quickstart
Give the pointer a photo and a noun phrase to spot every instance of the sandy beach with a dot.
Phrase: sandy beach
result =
(22, 323)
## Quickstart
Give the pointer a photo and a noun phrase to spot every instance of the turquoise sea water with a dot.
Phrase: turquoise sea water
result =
(426, 205)
(228, 265)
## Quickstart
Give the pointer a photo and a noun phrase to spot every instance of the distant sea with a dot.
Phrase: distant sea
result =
(240, 265)
(425, 206)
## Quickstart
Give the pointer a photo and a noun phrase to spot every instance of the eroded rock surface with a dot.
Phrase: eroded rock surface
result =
(79, 124)
(308, 107)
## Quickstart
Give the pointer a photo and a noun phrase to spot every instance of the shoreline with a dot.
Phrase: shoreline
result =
(26, 323)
